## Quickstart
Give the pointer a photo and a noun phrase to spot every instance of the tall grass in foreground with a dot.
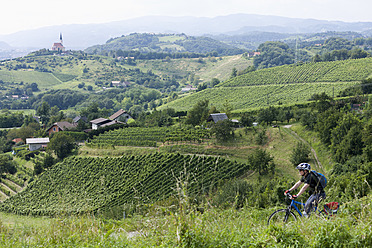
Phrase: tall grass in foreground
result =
(189, 227)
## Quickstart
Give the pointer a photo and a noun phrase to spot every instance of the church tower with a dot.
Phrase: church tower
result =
(60, 38)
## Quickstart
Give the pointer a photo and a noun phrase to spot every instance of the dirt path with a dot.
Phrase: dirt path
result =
(319, 165)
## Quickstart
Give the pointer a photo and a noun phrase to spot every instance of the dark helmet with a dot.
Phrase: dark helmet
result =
(304, 166)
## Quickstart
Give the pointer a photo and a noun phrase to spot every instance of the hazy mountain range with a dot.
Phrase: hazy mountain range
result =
(81, 36)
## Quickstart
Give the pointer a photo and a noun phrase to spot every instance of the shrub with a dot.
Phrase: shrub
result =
(300, 154)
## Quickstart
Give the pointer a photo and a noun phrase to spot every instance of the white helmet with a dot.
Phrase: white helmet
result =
(304, 166)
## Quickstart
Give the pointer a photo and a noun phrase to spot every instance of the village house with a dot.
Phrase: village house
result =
(188, 88)
(121, 115)
(18, 140)
(252, 54)
(37, 143)
(60, 126)
(119, 84)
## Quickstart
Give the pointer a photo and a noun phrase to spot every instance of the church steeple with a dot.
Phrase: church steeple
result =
(60, 38)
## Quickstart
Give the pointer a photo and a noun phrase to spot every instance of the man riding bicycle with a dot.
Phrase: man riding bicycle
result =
(310, 181)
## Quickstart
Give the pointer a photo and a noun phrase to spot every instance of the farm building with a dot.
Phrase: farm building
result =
(102, 122)
(217, 117)
(120, 115)
(80, 118)
(37, 143)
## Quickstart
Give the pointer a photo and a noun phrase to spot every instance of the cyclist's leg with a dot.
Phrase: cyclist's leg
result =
(310, 204)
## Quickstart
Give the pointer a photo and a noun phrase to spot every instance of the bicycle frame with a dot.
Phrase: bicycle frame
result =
(294, 204)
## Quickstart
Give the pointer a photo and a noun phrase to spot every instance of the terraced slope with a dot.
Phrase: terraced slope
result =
(9, 186)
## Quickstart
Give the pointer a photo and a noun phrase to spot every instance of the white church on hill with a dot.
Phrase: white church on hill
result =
(59, 45)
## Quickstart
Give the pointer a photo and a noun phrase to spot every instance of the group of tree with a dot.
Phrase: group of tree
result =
(158, 45)
(9, 119)
(342, 54)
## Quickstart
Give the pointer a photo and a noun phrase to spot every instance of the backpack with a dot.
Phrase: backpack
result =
(322, 179)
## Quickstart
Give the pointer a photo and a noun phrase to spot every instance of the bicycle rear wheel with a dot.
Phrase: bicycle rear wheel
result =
(281, 216)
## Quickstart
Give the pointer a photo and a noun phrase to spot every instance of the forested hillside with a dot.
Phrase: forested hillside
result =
(165, 43)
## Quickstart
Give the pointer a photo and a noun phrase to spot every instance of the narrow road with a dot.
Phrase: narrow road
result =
(313, 152)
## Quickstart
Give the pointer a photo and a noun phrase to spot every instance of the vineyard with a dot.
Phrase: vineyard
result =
(137, 136)
(43, 79)
(10, 185)
(335, 71)
(249, 97)
(82, 184)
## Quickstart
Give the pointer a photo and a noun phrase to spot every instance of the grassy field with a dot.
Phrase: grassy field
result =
(209, 68)
(189, 228)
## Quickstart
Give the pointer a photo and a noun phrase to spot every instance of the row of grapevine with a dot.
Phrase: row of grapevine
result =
(85, 184)
(249, 97)
(335, 71)
(137, 136)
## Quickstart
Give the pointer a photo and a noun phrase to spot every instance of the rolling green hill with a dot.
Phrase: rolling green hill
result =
(288, 84)
(169, 43)
(66, 72)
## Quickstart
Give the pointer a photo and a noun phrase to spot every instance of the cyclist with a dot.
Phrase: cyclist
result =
(310, 181)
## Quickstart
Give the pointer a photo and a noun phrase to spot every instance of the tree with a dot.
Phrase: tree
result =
(215, 81)
(300, 154)
(223, 130)
(44, 112)
(247, 120)
(7, 165)
(198, 113)
(326, 121)
(317, 58)
(261, 138)
(34, 87)
(227, 108)
(61, 144)
(267, 115)
(262, 161)
(308, 119)
(346, 138)
(322, 101)
(28, 120)
(234, 72)
(273, 53)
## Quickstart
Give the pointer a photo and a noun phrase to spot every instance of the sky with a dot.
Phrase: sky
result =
(18, 15)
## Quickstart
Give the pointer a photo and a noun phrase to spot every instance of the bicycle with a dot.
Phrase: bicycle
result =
(287, 214)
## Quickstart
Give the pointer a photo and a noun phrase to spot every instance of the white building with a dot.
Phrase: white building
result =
(37, 143)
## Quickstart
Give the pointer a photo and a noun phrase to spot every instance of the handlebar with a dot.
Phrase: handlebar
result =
(290, 196)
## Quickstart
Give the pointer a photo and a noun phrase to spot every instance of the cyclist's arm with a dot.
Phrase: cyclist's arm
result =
(302, 190)
(296, 185)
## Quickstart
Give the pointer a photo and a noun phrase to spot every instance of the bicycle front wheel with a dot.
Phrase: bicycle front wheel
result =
(281, 216)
